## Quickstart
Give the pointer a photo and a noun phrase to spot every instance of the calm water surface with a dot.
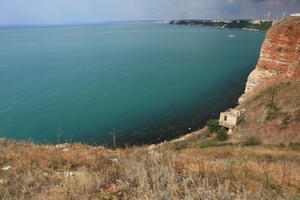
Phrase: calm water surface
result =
(143, 82)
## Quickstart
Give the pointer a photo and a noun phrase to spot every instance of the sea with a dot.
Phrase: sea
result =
(121, 83)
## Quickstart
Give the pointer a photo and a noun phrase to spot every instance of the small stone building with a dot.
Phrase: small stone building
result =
(230, 118)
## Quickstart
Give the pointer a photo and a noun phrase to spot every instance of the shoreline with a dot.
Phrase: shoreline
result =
(213, 27)
(181, 127)
(243, 24)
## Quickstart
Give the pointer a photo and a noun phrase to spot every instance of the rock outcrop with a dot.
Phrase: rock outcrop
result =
(279, 57)
(272, 96)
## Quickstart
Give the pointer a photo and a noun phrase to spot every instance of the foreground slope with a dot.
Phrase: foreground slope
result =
(84, 172)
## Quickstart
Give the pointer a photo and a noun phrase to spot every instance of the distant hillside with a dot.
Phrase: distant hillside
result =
(256, 25)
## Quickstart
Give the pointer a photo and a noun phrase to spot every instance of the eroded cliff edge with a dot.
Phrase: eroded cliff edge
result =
(279, 57)
(271, 102)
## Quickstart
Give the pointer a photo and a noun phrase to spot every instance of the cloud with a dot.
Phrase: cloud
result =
(230, 1)
(259, 1)
(84, 11)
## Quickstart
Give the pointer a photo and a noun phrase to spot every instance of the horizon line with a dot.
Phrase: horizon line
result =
(107, 22)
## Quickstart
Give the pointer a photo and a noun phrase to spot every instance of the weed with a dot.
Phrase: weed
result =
(294, 145)
(222, 135)
(57, 162)
(273, 112)
(242, 121)
(179, 146)
(286, 120)
(208, 144)
(298, 115)
(253, 141)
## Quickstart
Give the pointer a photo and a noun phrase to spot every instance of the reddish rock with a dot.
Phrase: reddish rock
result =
(279, 57)
(276, 78)
(281, 50)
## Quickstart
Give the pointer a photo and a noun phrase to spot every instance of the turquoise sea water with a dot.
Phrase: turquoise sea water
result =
(143, 82)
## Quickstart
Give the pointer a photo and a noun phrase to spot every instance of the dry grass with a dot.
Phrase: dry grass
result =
(274, 122)
(162, 173)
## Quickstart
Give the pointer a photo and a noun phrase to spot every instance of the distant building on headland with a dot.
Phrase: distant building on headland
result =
(220, 20)
(295, 15)
(259, 21)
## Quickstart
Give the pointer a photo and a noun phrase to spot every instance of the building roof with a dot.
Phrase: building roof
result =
(295, 15)
(234, 112)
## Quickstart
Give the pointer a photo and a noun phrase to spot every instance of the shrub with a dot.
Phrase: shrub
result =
(222, 134)
(286, 119)
(273, 112)
(253, 141)
(208, 144)
(295, 146)
(180, 146)
(213, 126)
(281, 145)
(57, 162)
(242, 121)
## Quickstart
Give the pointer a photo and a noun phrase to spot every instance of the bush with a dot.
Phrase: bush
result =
(208, 144)
(179, 146)
(242, 121)
(273, 112)
(222, 134)
(253, 141)
(57, 162)
(213, 126)
(281, 145)
(295, 146)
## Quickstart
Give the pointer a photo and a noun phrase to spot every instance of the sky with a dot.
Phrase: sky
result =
(14, 12)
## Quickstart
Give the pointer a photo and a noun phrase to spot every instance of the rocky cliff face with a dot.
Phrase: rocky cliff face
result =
(272, 96)
(279, 58)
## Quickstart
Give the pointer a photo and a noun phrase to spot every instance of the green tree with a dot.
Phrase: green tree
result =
(213, 126)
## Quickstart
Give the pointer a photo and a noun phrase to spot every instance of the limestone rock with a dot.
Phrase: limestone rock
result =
(279, 57)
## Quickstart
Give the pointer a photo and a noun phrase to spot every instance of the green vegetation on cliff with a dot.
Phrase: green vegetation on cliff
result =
(234, 24)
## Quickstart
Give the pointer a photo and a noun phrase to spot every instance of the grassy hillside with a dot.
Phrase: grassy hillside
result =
(276, 121)
(184, 169)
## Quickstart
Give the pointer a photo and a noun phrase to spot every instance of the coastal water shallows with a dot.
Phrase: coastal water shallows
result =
(140, 82)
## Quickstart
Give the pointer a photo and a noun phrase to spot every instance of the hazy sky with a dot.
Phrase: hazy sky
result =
(88, 11)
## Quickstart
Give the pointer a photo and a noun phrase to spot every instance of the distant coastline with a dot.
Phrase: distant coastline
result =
(245, 24)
